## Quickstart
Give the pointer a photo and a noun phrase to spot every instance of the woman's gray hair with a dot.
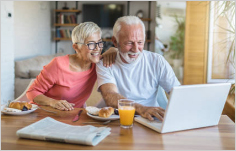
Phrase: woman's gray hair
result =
(128, 20)
(83, 31)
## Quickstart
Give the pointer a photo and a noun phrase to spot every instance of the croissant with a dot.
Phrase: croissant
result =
(20, 105)
(106, 112)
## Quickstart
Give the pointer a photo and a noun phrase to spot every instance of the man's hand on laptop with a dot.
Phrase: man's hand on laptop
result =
(148, 112)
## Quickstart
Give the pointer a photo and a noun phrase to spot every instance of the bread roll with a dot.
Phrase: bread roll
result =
(106, 112)
(20, 105)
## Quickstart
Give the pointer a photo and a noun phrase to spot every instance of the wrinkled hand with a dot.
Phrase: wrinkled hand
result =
(62, 105)
(148, 112)
(109, 56)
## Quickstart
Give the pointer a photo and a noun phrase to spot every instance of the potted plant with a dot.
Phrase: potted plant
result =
(177, 42)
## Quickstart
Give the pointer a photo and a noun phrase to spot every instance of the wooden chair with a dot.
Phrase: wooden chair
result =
(23, 97)
(229, 108)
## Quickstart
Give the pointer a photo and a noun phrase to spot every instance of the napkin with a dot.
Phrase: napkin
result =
(50, 129)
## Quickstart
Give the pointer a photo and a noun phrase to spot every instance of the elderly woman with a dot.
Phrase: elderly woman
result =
(67, 81)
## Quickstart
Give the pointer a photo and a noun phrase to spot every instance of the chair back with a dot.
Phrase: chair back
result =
(23, 96)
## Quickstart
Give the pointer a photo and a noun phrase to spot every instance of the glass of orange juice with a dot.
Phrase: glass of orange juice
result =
(126, 111)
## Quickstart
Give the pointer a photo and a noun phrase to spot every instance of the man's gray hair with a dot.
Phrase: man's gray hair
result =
(128, 20)
(83, 31)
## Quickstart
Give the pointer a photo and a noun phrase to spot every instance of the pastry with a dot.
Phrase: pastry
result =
(92, 110)
(106, 112)
(20, 105)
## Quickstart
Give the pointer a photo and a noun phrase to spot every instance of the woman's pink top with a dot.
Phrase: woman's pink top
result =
(57, 81)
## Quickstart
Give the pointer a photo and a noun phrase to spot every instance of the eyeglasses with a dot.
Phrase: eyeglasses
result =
(93, 45)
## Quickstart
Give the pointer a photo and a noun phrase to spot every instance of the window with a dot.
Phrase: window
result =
(221, 66)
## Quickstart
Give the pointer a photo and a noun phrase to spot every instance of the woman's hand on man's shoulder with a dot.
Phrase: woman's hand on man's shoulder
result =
(109, 56)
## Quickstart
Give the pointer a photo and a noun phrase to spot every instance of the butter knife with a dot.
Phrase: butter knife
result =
(76, 118)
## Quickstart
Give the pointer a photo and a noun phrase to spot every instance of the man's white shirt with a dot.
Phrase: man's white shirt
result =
(139, 80)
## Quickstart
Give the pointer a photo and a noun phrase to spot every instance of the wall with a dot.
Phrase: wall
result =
(66, 46)
(25, 34)
(32, 29)
(7, 52)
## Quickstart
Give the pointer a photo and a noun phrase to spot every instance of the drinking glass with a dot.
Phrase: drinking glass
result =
(126, 111)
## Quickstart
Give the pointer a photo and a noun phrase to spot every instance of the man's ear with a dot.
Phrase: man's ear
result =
(75, 47)
(114, 41)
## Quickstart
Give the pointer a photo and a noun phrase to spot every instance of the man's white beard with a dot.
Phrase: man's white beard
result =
(126, 56)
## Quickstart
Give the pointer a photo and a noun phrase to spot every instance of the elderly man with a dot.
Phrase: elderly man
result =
(137, 73)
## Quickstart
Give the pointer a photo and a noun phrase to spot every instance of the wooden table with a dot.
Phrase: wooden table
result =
(221, 137)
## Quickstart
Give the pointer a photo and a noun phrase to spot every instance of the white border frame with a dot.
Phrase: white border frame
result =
(210, 42)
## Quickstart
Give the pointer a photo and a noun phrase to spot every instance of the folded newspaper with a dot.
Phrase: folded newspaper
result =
(52, 130)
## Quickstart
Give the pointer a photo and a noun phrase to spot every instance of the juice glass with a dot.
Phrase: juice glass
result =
(126, 111)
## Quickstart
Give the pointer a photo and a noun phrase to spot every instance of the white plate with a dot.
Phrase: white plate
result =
(34, 107)
(112, 117)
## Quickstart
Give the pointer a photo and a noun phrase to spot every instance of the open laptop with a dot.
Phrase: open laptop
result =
(191, 106)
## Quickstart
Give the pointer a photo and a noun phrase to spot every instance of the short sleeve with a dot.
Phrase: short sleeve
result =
(104, 75)
(167, 79)
(44, 81)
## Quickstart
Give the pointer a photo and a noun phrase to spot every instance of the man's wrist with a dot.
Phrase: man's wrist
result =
(138, 108)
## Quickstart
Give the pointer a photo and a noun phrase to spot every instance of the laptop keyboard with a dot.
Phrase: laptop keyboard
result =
(156, 120)
(156, 123)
